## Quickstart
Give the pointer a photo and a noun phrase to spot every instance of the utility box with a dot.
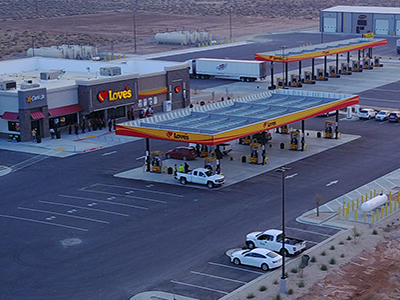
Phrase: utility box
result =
(110, 71)
(50, 75)
(8, 85)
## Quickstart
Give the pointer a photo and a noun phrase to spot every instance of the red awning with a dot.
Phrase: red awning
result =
(10, 115)
(65, 110)
(37, 115)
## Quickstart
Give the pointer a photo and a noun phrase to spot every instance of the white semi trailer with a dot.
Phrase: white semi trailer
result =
(398, 46)
(244, 70)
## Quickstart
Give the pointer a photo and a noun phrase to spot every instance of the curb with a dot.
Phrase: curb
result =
(4, 170)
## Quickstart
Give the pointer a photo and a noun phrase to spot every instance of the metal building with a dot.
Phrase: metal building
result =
(382, 21)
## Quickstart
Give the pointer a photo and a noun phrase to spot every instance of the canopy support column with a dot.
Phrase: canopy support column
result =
(299, 70)
(337, 63)
(147, 155)
(302, 135)
(312, 68)
(337, 125)
(325, 70)
(348, 57)
(272, 87)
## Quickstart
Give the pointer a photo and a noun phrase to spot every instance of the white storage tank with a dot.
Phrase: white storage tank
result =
(46, 52)
(192, 37)
(172, 38)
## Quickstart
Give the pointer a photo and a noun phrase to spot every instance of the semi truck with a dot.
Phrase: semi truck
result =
(398, 46)
(243, 70)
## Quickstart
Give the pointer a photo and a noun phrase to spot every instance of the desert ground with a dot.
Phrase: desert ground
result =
(366, 266)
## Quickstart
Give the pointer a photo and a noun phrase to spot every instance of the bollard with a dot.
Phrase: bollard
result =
(357, 202)
(352, 204)
(348, 208)
(344, 209)
(391, 207)
(370, 194)
(339, 212)
(347, 214)
(390, 195)
(395, 204)
(398, 199)
(373, 217)
(362, 199)
(355, 215)
(366, 197)
(381, 212)
(365, 217)
(377, 214)
(374, 192)
(386, 209)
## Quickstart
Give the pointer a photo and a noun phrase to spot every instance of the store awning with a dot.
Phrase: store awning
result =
(37, 115)
(10, 115)
(65, 110)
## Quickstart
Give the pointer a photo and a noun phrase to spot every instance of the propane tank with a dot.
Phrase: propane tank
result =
(373, 203)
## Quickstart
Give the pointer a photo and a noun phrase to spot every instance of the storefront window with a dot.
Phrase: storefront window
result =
(63, 121)
(118, 112)
(13, 126)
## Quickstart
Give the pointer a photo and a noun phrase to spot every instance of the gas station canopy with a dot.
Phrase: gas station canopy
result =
(224, 121)
(318, 50)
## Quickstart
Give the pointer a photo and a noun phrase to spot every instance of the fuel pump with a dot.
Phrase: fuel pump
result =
(210, 163)
(294, 140)
(279, 81)
(329, 129)
(332, 71)
(256, 153)
(284, 129)
(295, 80)
(345, 68)
(308, 77)
(156, 161)
(356, 66)
(204, 150)
(377, 61)
(367, 63)
(321, 74)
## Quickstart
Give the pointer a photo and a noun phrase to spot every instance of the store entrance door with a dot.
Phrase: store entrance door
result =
(97, 119)
(37, 125)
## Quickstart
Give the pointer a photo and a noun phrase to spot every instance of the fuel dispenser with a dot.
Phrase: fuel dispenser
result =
(377, 61)
(367, 63)
(279, 81)
(332, 71)
(210, 163)
(356, 66)
(156, 161)
(328, 129)
(284, 129)
(295, 140)
(321, 74)
(308, 77)
(245, 140)
(295, 80)
(204, 150)
(256, 153)
(345, 68)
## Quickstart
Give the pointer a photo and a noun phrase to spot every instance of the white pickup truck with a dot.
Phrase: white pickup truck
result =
(201, 176)
(272, 240)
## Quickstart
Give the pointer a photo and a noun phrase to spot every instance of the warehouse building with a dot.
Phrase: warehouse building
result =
(382, 21)
(43, 93)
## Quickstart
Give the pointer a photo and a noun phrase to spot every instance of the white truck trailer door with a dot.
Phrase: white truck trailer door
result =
(397, 27)
(381, 26)
(329, 24)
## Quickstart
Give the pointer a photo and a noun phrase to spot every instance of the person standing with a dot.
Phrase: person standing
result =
(109, 124)
(89, 125)
(180, 169)
(83, 126)
(186, 167)
(34, 132)
(76, 128)
(52, 133)
(69, 128)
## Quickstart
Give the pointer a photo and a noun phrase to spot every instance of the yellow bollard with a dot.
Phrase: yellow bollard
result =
(398, 200)
(374, 192)
(390, 195)
(365, 217)
(381, 212)
(352, 204)
(348, 208)
(391, 206)
(373, 217)
(362, 199)
(395, 204)
(366, 197)
(344, 209)
(105, 58)
(339, 212)
(370, 194)
(347, 214)
(355, 215)
(377, 214)
(357, 202)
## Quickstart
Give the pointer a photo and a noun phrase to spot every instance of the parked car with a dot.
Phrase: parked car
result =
(201, 176)
(394, 116)
(184, 153)
(260, 258)
(366, 113)
(383, 115)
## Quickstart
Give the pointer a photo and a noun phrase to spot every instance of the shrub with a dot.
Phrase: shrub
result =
(275, 281)
(342, 255)
(250, 296)
(301, 284)
(332, 261)
(349, 238)
(313, 259)
(290, 292)
(278, 297)
(324, 267)
(323, 253)
(293, 270)
(262, 288)
(286, 275)
(332, 248)
(375, 232)
(341, 243)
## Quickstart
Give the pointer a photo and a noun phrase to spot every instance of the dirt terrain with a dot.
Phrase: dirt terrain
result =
(368, 269)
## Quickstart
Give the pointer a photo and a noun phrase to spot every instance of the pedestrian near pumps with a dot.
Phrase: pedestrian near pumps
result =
(52, 133)
(34, 132)
(76, 126)
(180, 169)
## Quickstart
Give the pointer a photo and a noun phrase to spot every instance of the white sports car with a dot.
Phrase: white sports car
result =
(258, 257)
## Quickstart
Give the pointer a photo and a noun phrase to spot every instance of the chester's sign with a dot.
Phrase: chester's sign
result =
(112, 96)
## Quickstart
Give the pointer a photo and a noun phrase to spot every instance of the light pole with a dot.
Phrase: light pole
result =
(282, 283)
(230, 21)
(283, 65)
(134, 26)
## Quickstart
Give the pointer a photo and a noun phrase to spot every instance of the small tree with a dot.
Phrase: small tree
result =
(355, 234)
(318, 201)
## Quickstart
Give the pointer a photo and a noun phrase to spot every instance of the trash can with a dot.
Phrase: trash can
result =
(170, 171)
(282, 145)
(38, 139)
(305, 259)
(244, 159)
(318, 134)
(58, 134)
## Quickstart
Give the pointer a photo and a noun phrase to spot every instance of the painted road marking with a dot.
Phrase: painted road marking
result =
(308, 231)
(64, 215)
(30, 161)
(123, 195)
(137, 189)
(141, 157)
(199, 287)
(82, 207)
(332, 182)
(218, 277)
(326, 205)
(43, 222)
(103, 201)
(109, 153)
(235, 268)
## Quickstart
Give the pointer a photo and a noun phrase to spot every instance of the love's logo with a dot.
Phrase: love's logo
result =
(169, 134)
(102, 96)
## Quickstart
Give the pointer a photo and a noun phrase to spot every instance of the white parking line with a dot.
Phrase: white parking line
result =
(199, 287)
(137, 189)
(218, 277)
(308, 231)
(82, 207)
(43, 222)
(326, 205)
(103, 201)
(64, 215)
(124, 195)
(235, 268)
